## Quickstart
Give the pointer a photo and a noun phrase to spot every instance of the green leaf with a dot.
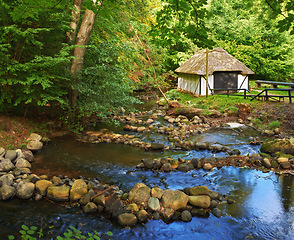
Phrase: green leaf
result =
(24, 227)
(109, 233)
(11, 237)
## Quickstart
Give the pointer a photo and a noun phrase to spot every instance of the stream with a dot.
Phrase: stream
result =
(263, 208)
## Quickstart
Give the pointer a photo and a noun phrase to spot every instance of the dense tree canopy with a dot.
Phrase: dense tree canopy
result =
(128, 40)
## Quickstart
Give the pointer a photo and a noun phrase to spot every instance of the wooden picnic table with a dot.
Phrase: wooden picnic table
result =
(274, 84)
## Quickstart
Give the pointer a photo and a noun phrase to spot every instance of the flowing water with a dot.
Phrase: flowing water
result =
(264, 207)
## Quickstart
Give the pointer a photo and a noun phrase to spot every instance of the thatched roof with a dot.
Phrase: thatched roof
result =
(218, 60)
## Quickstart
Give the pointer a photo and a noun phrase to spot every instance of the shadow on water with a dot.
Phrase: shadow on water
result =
(263, 207)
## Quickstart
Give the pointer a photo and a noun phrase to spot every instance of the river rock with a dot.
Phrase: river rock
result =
(156, 192)
(127, 219)
(113, 206)
(186, 216)
(153, 204)
(90, 208)
(34, 146)
(140, 195)
(166, 167)
(283, 159)
(85, 199)
(22, 163)
(168, 214)
(28, 155)
(200, 212)
(11, 155)
(285, 165)
(133, 207)
(207, 166)
(174, 199)
(151, 163)
(42, 185)
(100, 200)
(6, 165)
(56, 181)
(141, 129)
(201, 201)
(199, 190)
(6, 179)
(25, 190)
(142, 215)
(266, 162)
(185, 167)
(2, 152)
(7, 192)
(216, 212)
(58, 193)
(78, 189)
(200, 146)
(213, 195)
(196, 163)
(156, 146)
(213, 204)
(35, 137)
(277, 145)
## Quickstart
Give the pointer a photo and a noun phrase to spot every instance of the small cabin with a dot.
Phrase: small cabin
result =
(224, 72)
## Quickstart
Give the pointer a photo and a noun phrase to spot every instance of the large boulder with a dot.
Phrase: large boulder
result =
(140, 194)
(42, 185)
(127, 219)
(25, 190)
(78, 189)
(58, 193)
(7, 192)
(201, 201)
(277, 145)
(174, 199)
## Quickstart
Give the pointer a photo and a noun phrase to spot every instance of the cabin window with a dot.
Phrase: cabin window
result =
(225, 80)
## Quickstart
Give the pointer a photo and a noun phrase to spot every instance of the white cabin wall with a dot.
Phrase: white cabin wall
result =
(189, 82)
(240, 81)
(203, 85)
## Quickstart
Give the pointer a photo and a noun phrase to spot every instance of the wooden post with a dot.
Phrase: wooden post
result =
(206, 72)
(290, 97)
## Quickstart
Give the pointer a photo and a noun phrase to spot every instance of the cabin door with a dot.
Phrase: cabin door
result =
(225, 80)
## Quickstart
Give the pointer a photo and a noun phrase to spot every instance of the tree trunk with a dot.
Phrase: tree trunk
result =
(76, 16)
(79, 51)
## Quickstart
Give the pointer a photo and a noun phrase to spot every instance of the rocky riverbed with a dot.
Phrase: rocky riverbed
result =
(144, 202)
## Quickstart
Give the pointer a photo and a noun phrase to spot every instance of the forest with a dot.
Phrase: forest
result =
(85, 58)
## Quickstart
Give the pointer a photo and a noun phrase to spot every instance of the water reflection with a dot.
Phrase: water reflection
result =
(263, 207)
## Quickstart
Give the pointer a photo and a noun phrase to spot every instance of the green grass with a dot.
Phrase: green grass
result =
(221, 103)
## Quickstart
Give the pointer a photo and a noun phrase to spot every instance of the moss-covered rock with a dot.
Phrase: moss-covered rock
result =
(277, 145)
